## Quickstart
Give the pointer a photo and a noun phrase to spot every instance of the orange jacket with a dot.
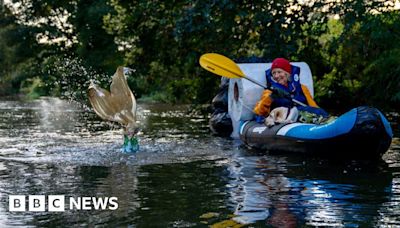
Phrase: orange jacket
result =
(263, 106)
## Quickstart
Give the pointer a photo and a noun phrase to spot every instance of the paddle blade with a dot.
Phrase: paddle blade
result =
(220, 65)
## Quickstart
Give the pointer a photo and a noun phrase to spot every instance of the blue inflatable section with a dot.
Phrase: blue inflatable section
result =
(341, 125)
(387, 125)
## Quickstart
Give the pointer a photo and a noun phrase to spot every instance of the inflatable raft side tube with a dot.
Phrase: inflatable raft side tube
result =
(340, 126)
(372, 128)
(386, 124)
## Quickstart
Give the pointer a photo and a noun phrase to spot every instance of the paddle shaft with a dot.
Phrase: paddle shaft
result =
(265, 87)
(225, 67)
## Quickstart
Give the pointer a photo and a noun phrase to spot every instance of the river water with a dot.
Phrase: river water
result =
(181, 177)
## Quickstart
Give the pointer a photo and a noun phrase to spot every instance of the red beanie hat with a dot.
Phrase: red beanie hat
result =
(282, 63)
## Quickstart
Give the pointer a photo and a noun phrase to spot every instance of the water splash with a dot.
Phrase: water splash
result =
(55, 131)
(69, 78)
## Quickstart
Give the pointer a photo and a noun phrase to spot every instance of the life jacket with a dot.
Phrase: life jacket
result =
(294, 89)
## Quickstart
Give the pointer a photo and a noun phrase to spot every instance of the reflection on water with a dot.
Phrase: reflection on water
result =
(182, 177)
(285, 192)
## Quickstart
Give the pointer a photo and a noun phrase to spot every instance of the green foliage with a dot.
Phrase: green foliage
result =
(67, 77)
(170, 37)
(33, 88)
(56, 47)
(382, 81)
(93, 41)
(358, 56)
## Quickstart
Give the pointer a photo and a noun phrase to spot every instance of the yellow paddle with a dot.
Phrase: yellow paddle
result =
(225, 67)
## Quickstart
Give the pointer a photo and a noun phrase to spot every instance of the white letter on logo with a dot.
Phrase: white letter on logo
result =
(113, 203)
(99, 203)
(56, 202)
(73, 203)
(86, 202)
(37, 202)
(16, 203)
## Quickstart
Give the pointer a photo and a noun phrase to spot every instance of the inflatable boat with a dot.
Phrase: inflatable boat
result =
(361, 132)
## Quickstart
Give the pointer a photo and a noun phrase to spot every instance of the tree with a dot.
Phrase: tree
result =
(163, 40)
(46, 30)
(94, 46)
(356, 55)
(19, 49)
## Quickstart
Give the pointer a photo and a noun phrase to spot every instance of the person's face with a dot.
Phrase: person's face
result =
(280, 76)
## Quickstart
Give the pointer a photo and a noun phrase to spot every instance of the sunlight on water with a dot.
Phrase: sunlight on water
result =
(56, 115)
(58, 135)
(182, 175)
(268, 190)
(392, 157)
(389, 213)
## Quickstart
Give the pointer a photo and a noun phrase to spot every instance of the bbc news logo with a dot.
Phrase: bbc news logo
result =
(57, 203)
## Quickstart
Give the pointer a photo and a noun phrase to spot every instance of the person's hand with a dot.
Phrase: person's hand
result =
(259, 119)
(280, 93)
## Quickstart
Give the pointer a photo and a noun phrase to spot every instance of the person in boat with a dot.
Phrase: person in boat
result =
(284, 83)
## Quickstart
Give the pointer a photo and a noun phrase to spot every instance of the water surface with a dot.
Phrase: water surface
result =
(182, 176)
